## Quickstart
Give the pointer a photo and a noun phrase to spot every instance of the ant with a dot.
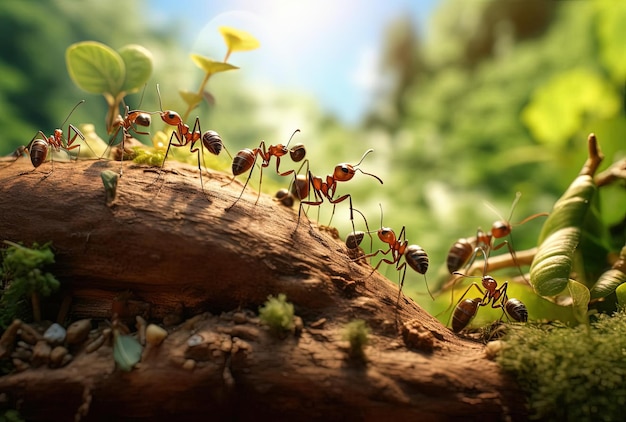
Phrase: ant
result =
(414, 255)
(39, 146)
(326, 188)
(464, 251)
(210, 139)
(131, 120)
(246, 159)
(492, 295)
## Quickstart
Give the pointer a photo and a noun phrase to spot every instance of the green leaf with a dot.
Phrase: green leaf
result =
(580, 300)
(126, 351)
(237, 40)
(191, 98)
(620, 292)
(109, 179)
(95, 67)
(559, 109)
(211, 66)
(559, 238)
(607, 283)
(138, 64)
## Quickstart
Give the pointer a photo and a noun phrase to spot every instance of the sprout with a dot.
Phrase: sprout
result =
(277, 314)
(356, 332)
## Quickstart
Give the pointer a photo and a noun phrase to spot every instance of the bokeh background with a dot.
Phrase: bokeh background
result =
(464, 102)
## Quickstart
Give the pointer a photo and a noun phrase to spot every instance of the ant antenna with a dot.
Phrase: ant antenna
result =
(291, 137)
(368, 174)
(68, 116)
(159, 94)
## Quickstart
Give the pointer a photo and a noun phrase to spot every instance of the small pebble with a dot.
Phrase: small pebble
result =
(41, 354)
(189, 364)
(78, 331)
(155, 335)
(194, 340)
(57, 355)
(55, 334)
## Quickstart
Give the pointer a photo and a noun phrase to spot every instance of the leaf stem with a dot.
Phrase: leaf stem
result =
(594, 159)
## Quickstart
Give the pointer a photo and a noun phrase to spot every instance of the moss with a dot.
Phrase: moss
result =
(356, 333)
(571, 373)
(277, 314)
(152, 158)
(23, 277)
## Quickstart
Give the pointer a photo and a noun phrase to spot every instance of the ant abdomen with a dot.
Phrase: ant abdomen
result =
(297, 153)
(243, 161)
(213, 142)
(516, 310)
(417, 258)
(354, 239)
(464, 312)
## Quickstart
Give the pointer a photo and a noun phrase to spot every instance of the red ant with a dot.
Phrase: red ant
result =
(493, 295)
(414, 255)
(326, 188)
(130, 121)
(209, 139)
(246, 159)
(39, 146)
(463, 251)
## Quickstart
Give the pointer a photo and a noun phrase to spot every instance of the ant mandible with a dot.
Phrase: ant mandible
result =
(492, 295)
(210, 139)
(414, 255)
(246, 159)
(326, 188)
(463, 252)
(39, 146)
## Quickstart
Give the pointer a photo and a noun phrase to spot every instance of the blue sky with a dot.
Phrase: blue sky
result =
(327, 48)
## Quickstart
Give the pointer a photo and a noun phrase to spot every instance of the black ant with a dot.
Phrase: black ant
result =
(414, 255)
(492, 295)
(326, 188)
(463, 251)
(210, 139)
(39, 146)
(246, 159)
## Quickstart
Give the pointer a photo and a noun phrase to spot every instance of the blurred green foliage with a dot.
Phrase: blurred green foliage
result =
(498, 97)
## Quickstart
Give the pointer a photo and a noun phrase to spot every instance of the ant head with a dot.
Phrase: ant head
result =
(58, 134)
(343, 172)
(387, 235)
(171, 118)
(489, 283)
(501, 229)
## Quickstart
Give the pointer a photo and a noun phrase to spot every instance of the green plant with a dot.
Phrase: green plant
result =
(277, 314)
(236, 40)
(356, 332)
(98, 69)
(546, 361)
(574, 245)
(22, 277)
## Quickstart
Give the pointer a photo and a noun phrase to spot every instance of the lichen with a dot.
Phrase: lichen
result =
(570, 373)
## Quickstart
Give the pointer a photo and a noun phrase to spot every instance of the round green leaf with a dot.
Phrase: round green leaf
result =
(138, 63)
(95, 67)
(211, 66)
(126, 351)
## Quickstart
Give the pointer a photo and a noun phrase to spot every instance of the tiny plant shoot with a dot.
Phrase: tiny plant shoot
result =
(356, 332)
(236, 40)
(277, 314)
(98, 69)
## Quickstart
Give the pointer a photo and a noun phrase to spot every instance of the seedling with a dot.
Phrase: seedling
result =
(356, 333)
(277, 314)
